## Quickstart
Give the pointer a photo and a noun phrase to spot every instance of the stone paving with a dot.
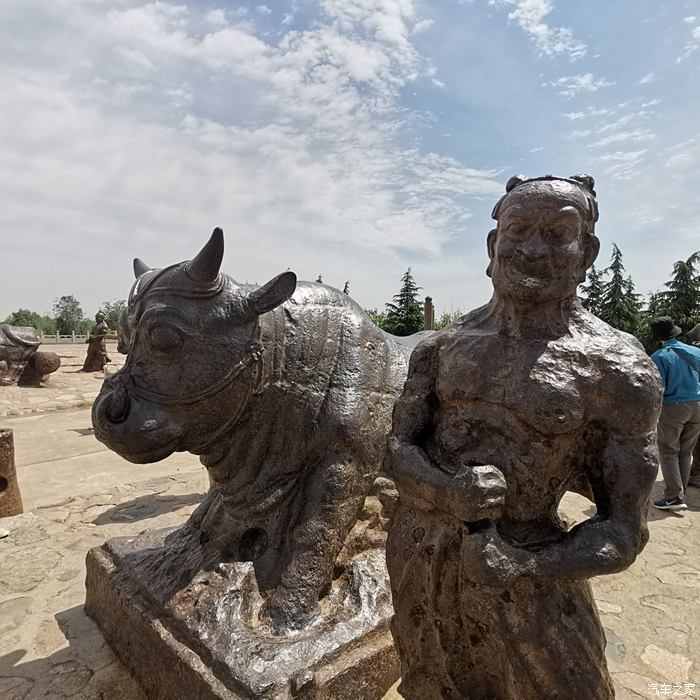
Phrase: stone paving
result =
(49, 648)
(77, 494)
(67, 388)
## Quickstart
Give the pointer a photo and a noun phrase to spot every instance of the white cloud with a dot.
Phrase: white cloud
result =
(629, 135)
(551, 41)
(690, 20)
(588, 113)
(683, 155)
(571, 85)
(693, 44)
(165, 121)
(623, 165)
(649, 77)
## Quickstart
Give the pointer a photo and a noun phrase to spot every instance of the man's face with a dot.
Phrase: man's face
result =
(538, 254)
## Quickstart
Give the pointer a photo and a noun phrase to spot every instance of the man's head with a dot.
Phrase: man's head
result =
(663, 328)
(99, 317)
(545, 238)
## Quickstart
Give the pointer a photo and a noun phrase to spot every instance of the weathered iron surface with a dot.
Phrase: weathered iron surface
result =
(285, 392)
(21, 361)
(97, 356)
(502, 412)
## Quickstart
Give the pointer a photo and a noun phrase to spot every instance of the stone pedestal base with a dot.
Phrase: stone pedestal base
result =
(206, 641)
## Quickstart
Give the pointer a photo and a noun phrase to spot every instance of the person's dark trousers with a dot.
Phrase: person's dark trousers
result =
(678, 431)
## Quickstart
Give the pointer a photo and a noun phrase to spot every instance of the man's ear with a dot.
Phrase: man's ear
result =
(491, 248)
(272, 293)
(591, 249)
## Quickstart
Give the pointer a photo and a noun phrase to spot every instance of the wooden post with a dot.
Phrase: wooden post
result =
(428, 315)
(72, 337)
(10, 498)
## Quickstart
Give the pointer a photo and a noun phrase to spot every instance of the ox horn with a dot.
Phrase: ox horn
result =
(140, 267)
(205, 266)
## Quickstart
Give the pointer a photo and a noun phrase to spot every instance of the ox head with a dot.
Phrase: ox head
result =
(191, 338)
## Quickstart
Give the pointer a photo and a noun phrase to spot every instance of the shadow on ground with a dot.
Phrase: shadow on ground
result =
(145, 507)
(86, 669)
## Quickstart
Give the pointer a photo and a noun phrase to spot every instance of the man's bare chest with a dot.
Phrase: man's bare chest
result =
(539, 386)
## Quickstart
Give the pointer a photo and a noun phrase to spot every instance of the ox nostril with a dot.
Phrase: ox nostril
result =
(117, 405)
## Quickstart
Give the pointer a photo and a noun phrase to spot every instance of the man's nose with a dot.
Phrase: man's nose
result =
(534, 245)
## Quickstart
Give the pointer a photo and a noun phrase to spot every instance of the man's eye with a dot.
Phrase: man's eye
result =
(165, 338)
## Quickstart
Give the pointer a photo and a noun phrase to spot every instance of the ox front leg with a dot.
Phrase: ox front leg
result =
(333, 501)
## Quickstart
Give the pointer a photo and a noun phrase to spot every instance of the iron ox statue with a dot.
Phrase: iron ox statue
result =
(21, 362)
(502, 412)
(285, 392)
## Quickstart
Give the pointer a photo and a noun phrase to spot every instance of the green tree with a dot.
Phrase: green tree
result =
(112, 311)
(68, 315)
(405, 315)
(25, 317)
(683, 294)
(447, 318)
(620, 305)
(593, 290)
(655, 306)
(377, 317)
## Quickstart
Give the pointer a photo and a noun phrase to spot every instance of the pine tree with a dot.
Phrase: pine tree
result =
(593, 289)
(655, 306)
(620, 306)
(405, 315)
(683, 295)
(346, 288)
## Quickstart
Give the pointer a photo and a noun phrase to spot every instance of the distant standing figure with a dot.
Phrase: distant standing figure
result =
(97, 356)
(679, 424)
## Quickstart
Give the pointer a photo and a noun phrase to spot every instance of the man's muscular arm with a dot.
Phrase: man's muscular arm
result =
(628, 401)
(611, 540)
(622, 475)
(470, 493)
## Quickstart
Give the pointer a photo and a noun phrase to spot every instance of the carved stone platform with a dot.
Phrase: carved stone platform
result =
(206, 640)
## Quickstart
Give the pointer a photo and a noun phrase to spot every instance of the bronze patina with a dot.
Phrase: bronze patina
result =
(503, 412)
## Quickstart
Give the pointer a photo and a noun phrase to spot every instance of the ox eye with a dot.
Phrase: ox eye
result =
(165, 338)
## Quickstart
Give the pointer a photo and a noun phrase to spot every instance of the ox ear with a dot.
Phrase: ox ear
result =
(140, 267)
(273, 293)
(204, 267)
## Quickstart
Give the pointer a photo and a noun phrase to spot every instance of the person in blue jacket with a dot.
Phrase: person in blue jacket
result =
(679, 423)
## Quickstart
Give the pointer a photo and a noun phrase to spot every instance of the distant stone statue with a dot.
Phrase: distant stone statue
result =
(503, 412)
(21, 361)
(285, 392)
(97, 356)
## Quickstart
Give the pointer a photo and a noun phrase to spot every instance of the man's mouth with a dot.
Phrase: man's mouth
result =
(527, 277)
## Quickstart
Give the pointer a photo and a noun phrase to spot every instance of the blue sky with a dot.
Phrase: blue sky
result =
(351, 138)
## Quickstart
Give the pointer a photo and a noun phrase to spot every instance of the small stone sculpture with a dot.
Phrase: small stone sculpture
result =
(502, 412)
(97, 356)
(285, 392)
(20, 360)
